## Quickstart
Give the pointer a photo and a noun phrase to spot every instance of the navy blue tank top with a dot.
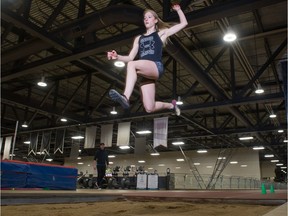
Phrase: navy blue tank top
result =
(150, 47)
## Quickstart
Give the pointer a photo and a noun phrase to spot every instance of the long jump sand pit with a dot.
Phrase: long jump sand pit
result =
(133, 208)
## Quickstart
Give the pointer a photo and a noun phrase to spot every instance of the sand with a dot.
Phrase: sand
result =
(132, 208)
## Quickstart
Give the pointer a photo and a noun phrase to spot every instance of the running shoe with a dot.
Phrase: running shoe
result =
(121, 99)
(176, 108)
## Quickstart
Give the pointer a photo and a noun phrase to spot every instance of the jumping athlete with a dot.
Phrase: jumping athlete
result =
(149, 66)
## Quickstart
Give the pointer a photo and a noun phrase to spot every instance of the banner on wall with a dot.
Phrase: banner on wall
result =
(45, 143)
(106, 134)
(123, 135)
(33, 143)
(90, 137)
(59, 141)
(160, 132)
(7, 148)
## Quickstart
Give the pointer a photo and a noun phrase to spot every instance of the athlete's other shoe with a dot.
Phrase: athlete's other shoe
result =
(176, 108)
(121, 99)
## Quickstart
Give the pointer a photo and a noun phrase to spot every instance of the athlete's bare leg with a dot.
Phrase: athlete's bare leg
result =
(148, 98)
(143, 68)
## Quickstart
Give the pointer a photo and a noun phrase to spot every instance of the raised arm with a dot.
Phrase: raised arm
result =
(183, 22)
(113, 54)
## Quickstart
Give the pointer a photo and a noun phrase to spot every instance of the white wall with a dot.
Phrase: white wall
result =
(244, 156)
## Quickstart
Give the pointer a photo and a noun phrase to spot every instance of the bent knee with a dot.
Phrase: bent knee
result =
(149, 109)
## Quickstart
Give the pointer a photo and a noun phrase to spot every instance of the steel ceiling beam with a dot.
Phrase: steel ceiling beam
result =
(35, 31)
(129, 14)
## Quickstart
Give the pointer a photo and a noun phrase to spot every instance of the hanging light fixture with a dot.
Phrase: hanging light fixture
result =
(124, 147)
(246, 138)
(119, 63)
(143, 132)
(202, 151)
(113, 111)
(25, 125)
(179, 102)
(258, 147)
(42, 83)
(77, 137)
(178, 143)
(259, 89)
(230, 36)
(272, 115)
(143, 128)
(63, 119)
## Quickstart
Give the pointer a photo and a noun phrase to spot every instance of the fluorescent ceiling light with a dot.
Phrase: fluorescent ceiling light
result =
(80, 163)
(209, 167)
(26, 142)
(272, 115)
(268, 155)
(196, 164)
(202, 151)
(258, 147)
(161, 164)
(111, 156)
(178, 143)
(246, 138)
(274, 161)
(280, 131)
(285, 140)
(243, 165)
(49, 159)
(155, 153)
(177, 167)
(124, 147)
(110, 162)
(141, 161)
(63, 120)
(77, 137)
(233, 162)
(283, 167)
(144, 132)
(221, 158)
(180, 159)
(279, 164)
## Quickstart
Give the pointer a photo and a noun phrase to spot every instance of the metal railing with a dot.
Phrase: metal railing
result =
(188, 181)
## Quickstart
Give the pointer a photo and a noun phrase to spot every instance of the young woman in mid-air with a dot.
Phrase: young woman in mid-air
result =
(149, 66)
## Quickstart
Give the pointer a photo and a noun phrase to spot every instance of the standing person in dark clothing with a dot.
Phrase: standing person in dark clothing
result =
(100, 163)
